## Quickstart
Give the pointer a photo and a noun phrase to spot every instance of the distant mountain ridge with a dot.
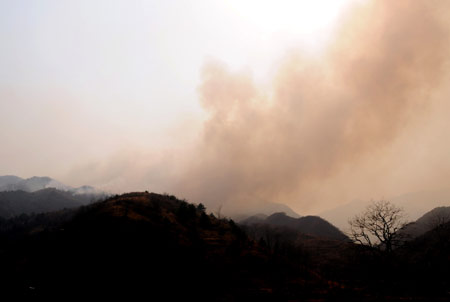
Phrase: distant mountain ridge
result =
(263, 208)
(36, 183)
(41, 194)
(15, 203)
(310, 225)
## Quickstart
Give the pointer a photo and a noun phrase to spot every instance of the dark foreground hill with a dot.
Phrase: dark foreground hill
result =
(138, 244)
(146, 246)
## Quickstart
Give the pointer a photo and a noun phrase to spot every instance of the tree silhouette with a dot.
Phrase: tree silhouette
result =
(201, 207)
(378, 226)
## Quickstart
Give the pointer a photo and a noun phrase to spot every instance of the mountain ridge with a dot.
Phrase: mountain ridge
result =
(36, 183)
(309, 225)
(15, 203)
(427, 222)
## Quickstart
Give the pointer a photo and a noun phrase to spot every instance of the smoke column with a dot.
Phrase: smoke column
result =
(324, 113)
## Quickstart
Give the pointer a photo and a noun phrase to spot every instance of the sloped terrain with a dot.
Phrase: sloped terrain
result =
(157, 247)
(430, 220)
(138, 244)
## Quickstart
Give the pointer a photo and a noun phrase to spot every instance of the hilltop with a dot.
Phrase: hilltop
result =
(427, 222)
(136, 244)
(308, 225)
(150, 245)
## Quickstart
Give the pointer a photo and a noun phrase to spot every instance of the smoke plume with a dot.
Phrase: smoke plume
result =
(325, 115)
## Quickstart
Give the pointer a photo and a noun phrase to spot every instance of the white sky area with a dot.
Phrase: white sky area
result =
(85, 80)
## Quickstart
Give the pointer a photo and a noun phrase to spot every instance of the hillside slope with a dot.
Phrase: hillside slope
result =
(132, 245)
(157, 247)
(430, 220)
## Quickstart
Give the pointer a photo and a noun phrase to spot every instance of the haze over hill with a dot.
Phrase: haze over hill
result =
(36, 183)
(41, 194)
(16, 203)
(113, 97)
(334, 124)
(256, 122)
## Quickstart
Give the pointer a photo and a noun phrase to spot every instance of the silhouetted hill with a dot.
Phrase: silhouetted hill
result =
(132, 245)
(310, 225)
(252, 209)
(319, 227)
(428, 256)
(258, 218)
(9, 180)
(14, 203)
(280, 219)
(427, 222)
(157, 247)
(437, 238)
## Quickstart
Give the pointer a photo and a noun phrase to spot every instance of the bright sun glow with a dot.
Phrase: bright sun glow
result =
(309, 20)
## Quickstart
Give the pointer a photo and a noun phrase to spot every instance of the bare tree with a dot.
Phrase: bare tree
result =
(378, 226)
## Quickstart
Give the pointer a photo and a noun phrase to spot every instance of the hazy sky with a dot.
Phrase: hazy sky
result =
(81, 80)
(140, 95)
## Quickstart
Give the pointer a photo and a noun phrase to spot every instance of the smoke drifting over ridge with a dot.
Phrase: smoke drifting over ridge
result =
(326, 114)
